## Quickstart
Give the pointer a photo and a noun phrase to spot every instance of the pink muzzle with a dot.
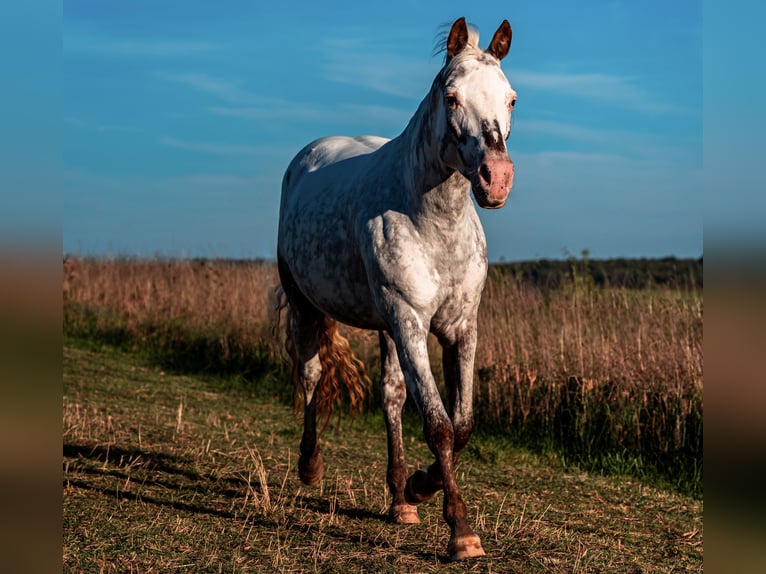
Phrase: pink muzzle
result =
(493, 182)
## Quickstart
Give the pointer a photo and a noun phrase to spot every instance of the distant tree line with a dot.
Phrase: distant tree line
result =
(621, 272)
(553, 273)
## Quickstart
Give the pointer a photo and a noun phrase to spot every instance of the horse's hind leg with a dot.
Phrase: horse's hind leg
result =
(304, 327)
(393, 394)
(306, 340)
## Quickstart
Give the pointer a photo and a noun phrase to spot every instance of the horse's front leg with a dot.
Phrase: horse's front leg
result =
(410, 335)
(393, 394)
(458, 361)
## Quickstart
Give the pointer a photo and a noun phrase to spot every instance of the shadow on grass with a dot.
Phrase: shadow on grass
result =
(324, 506)
(161, 479)
(118, 456)
(360, 536)
(152, 469)
(147, 499)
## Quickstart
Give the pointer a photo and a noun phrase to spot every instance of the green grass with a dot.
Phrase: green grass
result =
(172, 472)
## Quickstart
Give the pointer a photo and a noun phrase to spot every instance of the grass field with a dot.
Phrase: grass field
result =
(167, 472)
(610, 378)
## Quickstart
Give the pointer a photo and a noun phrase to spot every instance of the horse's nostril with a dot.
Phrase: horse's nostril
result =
(484, 172)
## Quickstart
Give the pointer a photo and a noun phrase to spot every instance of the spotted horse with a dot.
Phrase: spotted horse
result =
(382, 235)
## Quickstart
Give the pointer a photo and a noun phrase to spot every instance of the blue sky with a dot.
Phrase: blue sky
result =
(179, 118)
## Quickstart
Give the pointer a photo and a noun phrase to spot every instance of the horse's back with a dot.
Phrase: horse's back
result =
(327, 151)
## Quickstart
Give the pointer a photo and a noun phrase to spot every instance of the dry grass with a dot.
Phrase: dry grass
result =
(234, 300)
(592, 333)
(168, 473)
(604, 373)
(599, 369)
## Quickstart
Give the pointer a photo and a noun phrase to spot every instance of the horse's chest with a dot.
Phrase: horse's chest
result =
(439, 277)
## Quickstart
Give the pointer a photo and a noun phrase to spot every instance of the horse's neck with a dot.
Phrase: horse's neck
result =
(436, 191)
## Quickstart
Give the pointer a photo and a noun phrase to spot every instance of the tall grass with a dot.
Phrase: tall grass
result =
(612, 377)
(198, 316)
(609, 377)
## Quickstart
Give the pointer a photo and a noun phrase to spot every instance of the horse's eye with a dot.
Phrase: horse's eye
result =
(513, 103)
(451, 101)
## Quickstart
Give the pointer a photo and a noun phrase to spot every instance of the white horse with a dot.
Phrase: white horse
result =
(382, 235)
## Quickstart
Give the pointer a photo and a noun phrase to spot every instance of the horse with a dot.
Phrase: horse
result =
(382, 235)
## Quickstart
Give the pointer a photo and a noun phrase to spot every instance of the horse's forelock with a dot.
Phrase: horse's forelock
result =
(473, 36)
(443, 34)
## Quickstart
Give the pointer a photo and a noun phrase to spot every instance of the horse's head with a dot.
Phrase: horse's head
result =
(475, 101)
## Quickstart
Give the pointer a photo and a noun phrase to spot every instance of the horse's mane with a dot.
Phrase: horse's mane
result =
(441, 39)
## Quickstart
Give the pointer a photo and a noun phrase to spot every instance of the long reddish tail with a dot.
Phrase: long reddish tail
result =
(343, 373)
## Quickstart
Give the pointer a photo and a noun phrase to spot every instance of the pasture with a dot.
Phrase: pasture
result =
(180, 444)
(167, 472)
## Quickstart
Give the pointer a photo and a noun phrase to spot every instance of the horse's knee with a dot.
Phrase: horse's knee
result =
(462, 433)
(310, 372)
(393, 390)
(393, 394)
(439, 434)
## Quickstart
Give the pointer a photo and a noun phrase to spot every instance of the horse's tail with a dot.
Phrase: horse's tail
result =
(343, 373)
(341, 370)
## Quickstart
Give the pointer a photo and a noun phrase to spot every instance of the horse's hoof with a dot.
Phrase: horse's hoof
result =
(404, 514)
(464, 547)
(311, 469)
(419, 488)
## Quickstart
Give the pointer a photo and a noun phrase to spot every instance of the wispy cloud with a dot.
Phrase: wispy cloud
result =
(82, 124)
(213, 180)
(388, 115)
(270, 108)
(242, 104)
(649, 181)
(352, 61)
(564, 129)
(586, 160)
(79, 42)
(212, 148)
(229, 91)
(79, 181)
(660, 147)
(609, 89)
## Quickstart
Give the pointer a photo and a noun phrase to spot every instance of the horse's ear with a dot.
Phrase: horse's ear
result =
(501, 41)
(458, 37)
